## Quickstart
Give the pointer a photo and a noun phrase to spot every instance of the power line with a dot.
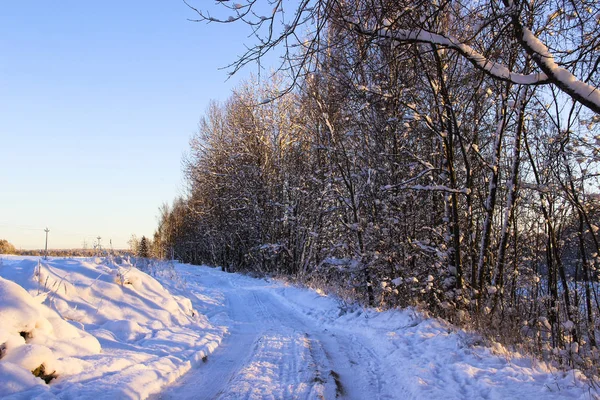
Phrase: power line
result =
(27, 228)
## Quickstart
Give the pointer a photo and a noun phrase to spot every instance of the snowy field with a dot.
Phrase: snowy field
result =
(104, 331)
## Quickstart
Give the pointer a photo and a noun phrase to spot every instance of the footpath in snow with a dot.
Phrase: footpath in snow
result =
(111, 331)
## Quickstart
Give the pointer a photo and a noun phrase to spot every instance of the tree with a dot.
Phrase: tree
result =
(143, 248)
(134, 244)
(559, 36)
(437, 154)
(6, 247)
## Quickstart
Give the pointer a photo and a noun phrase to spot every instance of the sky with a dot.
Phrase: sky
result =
(98, 101)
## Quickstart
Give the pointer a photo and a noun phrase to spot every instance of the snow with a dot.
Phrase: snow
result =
(104, 330)
(440, 188)
(495, 69)
(562, 75)
(565, 79)
(112, 331)
(352, 352)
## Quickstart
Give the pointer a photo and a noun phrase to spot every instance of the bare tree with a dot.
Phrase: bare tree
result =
(561, 37)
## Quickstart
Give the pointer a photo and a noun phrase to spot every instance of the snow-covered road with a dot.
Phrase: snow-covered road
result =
(290, 343)
(274, 351)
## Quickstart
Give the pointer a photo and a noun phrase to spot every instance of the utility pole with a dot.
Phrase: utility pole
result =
(99, 246)
(46, 249)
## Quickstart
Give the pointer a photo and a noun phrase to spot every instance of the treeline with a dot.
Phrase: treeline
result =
(8, 248)
(401, 175)
(143, 248)
(70, 252)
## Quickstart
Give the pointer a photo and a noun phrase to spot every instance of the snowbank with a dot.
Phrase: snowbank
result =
(432, 359)
(92, 328)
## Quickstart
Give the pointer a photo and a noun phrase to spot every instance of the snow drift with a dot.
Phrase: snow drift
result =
(93, 328)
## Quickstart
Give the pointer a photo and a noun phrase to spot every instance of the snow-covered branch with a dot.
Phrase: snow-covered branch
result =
(584, 93)
(578, 90)
(492, 68)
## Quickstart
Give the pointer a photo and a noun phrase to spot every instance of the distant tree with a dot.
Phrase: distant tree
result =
(143, 248)
(134, 244)
(6, 247)
(157, 246)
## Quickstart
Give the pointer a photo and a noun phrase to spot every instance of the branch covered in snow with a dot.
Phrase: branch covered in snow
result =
(494, 69)
(582, 92)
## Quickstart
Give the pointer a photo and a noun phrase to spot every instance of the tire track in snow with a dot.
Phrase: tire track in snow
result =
(209, 378)
(281, 367)
(354, 367)
(276, 352)
(265, 356)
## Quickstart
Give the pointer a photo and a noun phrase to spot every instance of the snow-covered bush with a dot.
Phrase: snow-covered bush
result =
(34, 339)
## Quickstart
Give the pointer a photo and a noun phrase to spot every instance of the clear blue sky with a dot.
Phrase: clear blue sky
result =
(97, 103)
